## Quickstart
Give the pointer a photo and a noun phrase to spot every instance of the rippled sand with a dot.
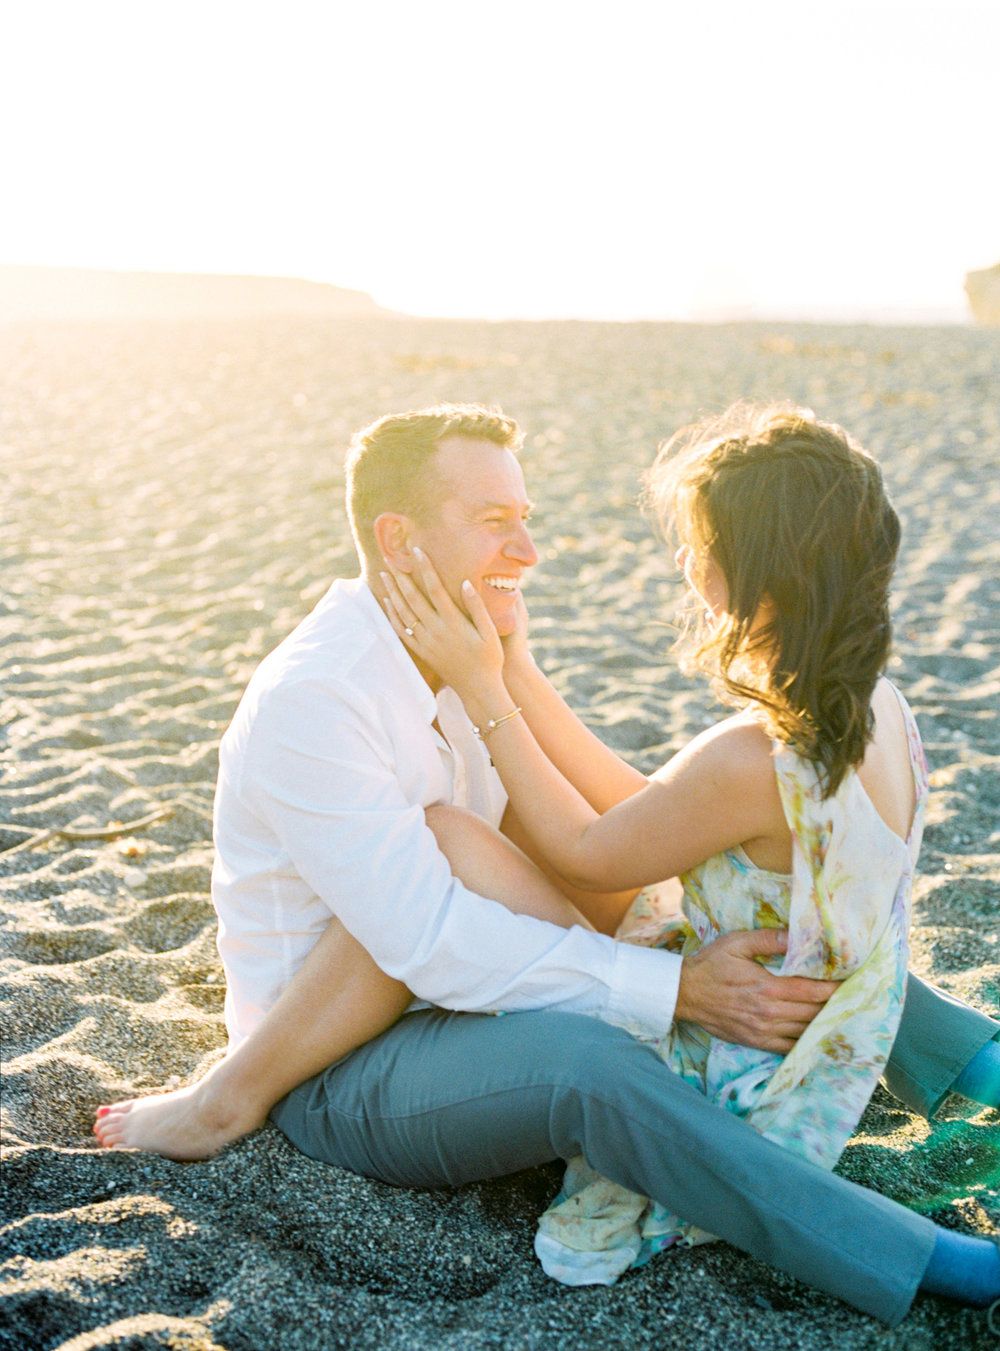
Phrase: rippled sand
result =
(172, 507)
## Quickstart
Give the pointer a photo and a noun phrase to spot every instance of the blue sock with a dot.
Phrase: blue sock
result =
(963, 1268)
(980, 1080)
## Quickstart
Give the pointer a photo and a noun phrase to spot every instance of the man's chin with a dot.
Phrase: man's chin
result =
(503, 612)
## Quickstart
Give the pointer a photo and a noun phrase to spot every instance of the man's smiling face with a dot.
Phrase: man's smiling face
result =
(477, 527)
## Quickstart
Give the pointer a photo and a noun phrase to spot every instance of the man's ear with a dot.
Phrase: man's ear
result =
(392, 537)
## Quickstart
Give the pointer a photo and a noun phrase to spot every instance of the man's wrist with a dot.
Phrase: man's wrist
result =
(682, 1009)
(644, 988)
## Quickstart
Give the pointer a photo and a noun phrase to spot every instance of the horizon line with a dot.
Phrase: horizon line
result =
(956, 313)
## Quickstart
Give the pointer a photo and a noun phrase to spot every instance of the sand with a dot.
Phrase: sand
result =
(173, 507)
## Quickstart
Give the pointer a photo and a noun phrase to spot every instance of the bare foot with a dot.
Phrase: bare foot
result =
(187, 1123)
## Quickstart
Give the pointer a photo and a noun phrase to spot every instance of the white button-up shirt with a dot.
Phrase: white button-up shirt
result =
(324, 775)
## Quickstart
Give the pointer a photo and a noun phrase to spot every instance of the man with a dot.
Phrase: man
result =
(335, 903)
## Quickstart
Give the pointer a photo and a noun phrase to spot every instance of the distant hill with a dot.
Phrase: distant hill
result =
(85, 293)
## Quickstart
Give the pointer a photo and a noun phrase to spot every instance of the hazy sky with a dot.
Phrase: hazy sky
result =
(627, 159)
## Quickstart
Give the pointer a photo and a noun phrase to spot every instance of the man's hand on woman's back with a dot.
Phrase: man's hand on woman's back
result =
(730, 995)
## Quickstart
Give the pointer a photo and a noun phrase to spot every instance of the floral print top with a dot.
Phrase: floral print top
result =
(846, 905)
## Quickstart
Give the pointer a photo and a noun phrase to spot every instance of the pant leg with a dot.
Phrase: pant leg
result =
(937, 1037)
(442, 1099)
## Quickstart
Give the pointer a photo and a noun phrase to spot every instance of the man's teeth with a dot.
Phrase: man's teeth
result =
(501, 583)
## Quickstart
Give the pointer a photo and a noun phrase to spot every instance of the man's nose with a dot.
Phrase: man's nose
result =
(522, 547)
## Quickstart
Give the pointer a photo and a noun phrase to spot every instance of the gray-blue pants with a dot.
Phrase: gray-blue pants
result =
(445, 1098)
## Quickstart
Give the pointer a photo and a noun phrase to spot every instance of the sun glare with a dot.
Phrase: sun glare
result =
(653, 161)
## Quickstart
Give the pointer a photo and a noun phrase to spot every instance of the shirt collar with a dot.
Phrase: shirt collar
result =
(397, 653)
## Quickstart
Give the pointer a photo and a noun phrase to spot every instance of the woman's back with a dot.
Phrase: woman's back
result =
(885, 772)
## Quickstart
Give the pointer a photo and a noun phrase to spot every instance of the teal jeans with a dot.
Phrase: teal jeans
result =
(446, 1098)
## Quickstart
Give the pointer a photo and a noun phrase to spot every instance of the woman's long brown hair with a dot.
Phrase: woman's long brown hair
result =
(795, 514)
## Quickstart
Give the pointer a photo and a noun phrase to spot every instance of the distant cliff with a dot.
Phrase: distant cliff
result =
(983, 290)
(83, 293)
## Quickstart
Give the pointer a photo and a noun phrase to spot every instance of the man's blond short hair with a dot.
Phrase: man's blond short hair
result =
(390, 463)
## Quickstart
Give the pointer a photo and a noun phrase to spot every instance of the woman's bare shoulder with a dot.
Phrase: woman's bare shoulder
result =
(737, 752)
(741, 735)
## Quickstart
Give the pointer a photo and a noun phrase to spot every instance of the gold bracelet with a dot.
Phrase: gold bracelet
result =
(483, 732)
